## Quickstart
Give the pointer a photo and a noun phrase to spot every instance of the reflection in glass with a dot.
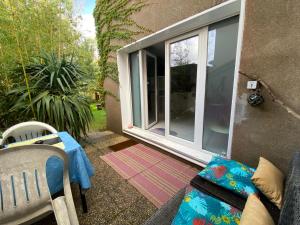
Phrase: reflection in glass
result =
(221, 51)
(183, 77)
(184, 52)
(135, 89)
(151, 89)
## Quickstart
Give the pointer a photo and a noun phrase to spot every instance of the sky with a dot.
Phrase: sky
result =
(85, 9)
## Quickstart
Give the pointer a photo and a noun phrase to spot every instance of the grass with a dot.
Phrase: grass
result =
(99, 122)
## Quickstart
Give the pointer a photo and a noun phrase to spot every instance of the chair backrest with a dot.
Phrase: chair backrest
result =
(26, 130)
(24, 192)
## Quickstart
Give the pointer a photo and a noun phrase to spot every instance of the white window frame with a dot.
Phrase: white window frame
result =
(200, 87)
(220, 12)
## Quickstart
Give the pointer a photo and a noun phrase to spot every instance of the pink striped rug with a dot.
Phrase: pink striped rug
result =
(157, 176)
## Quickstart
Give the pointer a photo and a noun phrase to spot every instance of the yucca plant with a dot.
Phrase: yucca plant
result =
(54, 87)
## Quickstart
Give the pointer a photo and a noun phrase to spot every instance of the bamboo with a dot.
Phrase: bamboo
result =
(5, 74)
(39, 31)
(21, 59)
(22, 31)
(59, 31)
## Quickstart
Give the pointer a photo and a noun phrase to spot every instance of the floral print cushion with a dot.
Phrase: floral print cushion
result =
(198, 208)
(230, 174)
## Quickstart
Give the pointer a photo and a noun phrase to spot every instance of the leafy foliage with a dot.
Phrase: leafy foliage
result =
(28, 28)
(57, 75)
(54, 84)
(114, 27)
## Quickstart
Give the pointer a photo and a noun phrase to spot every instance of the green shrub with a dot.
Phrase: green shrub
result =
(55, 84)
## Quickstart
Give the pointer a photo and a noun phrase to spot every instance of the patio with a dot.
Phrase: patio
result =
(111, 200)
(128, 189)
(189, 112)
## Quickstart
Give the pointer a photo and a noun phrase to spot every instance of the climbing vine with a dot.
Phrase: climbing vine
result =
(114, 28)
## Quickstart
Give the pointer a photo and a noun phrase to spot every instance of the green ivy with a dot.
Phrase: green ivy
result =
(114, 27)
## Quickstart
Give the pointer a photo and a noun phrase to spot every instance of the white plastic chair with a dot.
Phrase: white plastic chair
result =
(26, 130)
(24, 192)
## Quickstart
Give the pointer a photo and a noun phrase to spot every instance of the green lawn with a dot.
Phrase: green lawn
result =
(99, 122)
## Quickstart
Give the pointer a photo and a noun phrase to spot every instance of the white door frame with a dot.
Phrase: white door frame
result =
(200, 87)
(146, 53)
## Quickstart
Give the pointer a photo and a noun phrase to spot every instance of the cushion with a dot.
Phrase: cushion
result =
(255, 213)
(230, 174)
(198, 208)
(269, 180)
(232, 198)
(219, 192)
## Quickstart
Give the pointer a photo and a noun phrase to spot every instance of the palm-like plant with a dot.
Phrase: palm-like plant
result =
(54, 87)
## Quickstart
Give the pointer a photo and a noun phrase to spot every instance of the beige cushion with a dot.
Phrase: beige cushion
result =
(255, 213)
(269, 180)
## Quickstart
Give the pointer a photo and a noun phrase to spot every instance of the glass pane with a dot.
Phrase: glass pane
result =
(222, 41)
(183, 77)
(151, 89)
(135, 89)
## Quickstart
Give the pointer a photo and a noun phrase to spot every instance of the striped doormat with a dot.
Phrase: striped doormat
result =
(157, 176)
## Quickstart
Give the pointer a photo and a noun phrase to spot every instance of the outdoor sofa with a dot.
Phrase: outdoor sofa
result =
(288, 215)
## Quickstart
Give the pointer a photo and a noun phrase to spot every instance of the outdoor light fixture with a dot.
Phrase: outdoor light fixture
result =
(255, 98)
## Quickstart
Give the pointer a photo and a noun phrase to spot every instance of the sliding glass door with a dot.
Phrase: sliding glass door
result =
(183, 87)
(199, 84)
(222, 41)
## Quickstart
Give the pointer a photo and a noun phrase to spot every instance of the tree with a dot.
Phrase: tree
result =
(114, 27)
